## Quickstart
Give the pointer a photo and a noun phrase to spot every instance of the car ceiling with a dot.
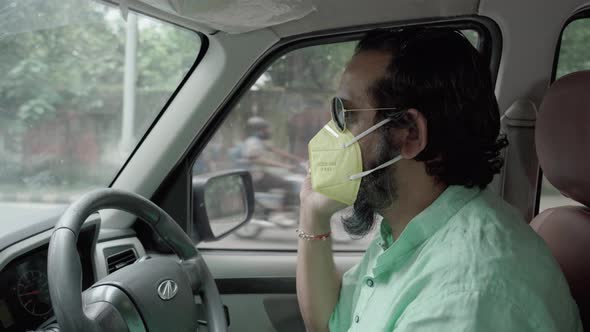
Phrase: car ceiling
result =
(333, 14)
(328, 14)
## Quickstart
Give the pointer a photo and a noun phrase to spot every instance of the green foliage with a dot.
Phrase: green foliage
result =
(472, 36)
(58, 67)
(314, 68)
(165, 54)
(574, 54)
(61, 88)
(72, 67)
(318, 68)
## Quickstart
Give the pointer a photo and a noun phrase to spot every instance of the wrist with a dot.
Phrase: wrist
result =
(312, 237)
(314, 222)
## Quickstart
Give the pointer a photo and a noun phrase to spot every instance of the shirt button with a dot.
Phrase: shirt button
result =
(356, 319)
(370, 282)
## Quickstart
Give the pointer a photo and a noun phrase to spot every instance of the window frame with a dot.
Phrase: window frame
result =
(490, 44)
(581, 14)
(199, 57)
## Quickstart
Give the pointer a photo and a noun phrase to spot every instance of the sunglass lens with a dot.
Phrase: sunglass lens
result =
(338, 113)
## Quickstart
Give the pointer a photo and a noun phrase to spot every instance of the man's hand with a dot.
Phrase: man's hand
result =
(318, 282)
(317, 206)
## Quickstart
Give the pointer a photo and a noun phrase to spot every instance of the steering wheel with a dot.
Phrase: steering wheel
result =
(156, 294)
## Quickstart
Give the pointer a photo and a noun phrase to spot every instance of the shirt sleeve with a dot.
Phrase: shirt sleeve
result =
(253, 148)
(466, 311)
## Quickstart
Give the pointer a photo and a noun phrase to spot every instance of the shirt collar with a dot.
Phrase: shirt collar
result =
(422, 226)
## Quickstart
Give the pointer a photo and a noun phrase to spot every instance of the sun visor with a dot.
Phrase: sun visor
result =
(235, 16)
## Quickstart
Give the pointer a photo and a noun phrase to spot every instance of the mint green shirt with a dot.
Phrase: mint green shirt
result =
(468, 262)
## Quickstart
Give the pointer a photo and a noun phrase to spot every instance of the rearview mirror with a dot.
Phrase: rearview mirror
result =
(222, 202)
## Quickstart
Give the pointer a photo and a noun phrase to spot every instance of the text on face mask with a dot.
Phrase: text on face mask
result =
(326, 166)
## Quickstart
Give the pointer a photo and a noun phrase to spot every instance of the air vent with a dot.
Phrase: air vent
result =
(120, 260)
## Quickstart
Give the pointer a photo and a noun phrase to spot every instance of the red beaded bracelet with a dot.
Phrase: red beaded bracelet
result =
(310, 237)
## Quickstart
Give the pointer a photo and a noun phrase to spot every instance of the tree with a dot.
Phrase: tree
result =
(70, 67)
(574, 53)
(62, 58)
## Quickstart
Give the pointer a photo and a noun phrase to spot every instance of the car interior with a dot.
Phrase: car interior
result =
(126, 202)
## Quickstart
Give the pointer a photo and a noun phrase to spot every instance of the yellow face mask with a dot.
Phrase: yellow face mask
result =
(336, 162)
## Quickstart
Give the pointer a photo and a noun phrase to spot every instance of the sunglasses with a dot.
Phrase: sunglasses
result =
(339, 112)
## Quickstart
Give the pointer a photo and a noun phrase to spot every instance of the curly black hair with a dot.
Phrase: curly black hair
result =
(438, 72)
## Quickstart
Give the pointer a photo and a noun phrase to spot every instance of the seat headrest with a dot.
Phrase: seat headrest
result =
(562, 136)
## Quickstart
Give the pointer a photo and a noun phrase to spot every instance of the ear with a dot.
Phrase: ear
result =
(414, 138)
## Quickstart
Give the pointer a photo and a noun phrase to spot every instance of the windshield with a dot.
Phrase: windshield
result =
(80, 84)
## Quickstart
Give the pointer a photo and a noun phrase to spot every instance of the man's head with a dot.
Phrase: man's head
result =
(259, 127)
(448, 132)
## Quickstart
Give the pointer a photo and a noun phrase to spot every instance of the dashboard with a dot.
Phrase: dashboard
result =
(24, 290)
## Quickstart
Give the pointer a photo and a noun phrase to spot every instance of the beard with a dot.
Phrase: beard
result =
(377, 191)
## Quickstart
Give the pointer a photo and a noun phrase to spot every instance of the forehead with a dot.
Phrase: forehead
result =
(363, 69)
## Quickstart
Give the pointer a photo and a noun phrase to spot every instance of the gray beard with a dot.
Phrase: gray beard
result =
(377, 191)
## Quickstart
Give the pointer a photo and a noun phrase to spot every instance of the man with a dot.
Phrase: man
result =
(414, 139)
(260, 157)
(258, 153)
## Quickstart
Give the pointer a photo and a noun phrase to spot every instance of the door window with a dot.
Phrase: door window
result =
(273, 123)
(574, 55)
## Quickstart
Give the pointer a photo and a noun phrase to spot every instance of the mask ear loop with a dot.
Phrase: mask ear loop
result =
(363, 174)
(366, 132)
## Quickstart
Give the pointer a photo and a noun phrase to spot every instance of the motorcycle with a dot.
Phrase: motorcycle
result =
(271, 212)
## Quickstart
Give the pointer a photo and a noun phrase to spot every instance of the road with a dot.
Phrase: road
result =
(29, 212)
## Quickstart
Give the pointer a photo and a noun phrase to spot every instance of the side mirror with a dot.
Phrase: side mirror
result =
(222, 202)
